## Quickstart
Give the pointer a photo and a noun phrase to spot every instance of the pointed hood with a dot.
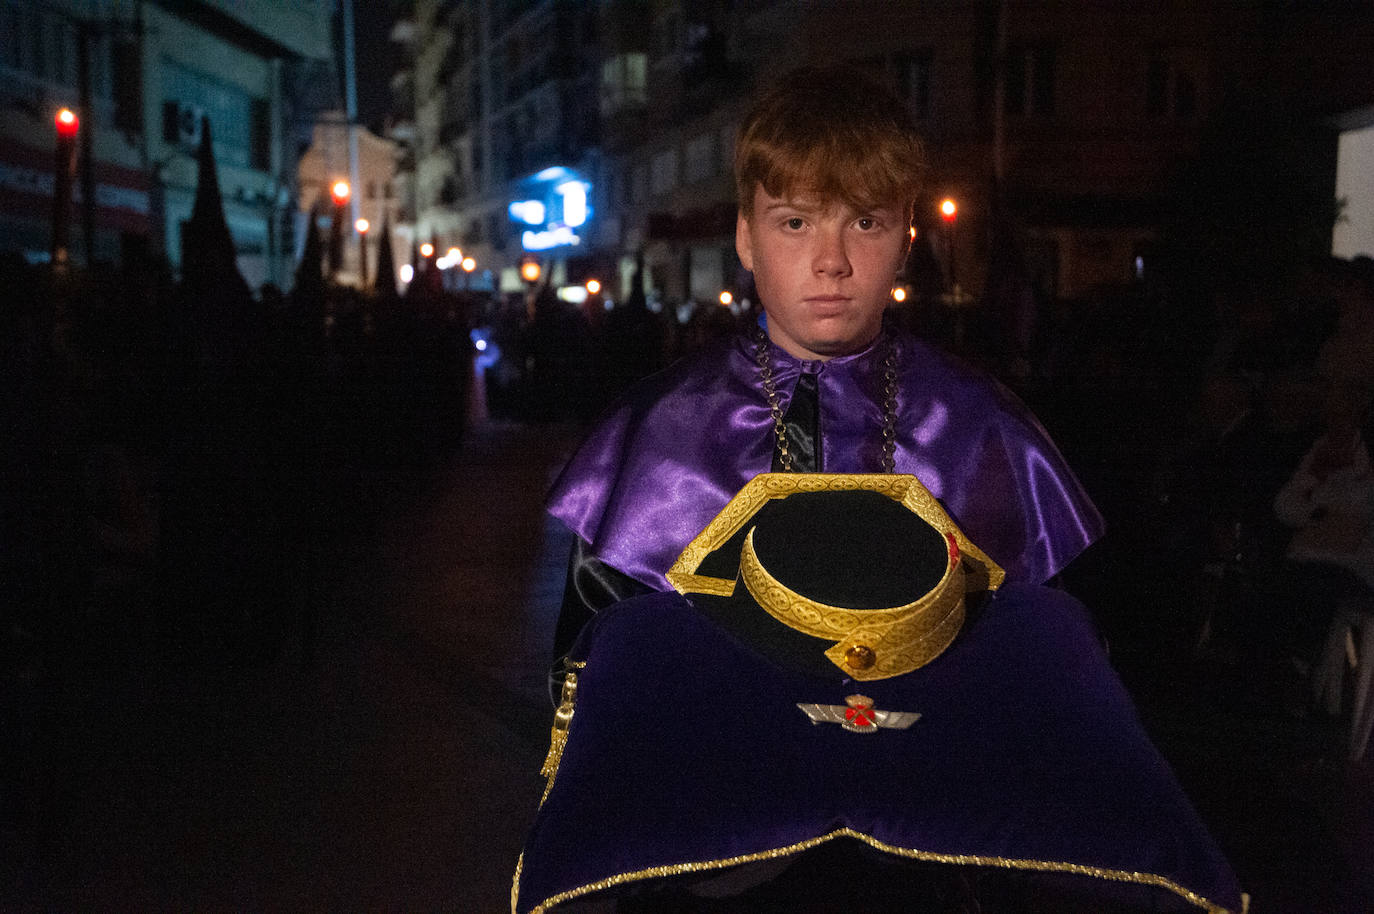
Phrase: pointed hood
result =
(310, 271)
(207, 248)
(385, 282)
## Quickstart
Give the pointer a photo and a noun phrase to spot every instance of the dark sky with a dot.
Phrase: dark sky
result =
(376, 59)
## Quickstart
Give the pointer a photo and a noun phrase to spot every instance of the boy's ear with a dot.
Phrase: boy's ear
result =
(743, 245)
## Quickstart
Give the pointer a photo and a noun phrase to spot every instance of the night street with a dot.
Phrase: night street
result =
(323, 325)
(399, 773)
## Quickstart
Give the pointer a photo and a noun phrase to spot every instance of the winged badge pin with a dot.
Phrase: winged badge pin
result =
(858, 715)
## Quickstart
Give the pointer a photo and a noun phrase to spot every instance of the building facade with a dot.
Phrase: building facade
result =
(1064, 125)
(375, 197)
(504, 116)
(142, 74)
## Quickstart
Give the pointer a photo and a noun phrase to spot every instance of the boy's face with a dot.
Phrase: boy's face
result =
(823, 270)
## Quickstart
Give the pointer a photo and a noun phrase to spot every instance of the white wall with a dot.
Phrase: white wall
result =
(1354, 234)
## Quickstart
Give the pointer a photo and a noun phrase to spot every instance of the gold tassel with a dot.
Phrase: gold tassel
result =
(562, 718)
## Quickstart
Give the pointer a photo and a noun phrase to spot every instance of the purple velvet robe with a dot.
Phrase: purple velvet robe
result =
(666, 458)
(687, 751)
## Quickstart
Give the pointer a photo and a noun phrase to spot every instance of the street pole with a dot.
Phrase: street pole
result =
(340, 193)
(362, 226)
(83, 77)
(949, 212)
(350, 100)
(68, 125)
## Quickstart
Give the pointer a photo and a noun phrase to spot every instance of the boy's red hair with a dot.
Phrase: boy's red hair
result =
(833, 133)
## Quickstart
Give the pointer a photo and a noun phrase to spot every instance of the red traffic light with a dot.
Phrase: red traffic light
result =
(67, 123)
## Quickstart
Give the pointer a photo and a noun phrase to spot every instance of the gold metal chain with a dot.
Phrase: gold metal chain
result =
(770, 391)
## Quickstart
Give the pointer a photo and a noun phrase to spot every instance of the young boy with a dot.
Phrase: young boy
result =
(827, 167)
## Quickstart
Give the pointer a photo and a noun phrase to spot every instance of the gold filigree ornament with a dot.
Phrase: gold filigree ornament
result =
(562, 720)
(868, 644)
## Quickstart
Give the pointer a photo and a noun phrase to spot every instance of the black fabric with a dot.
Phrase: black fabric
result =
(801, 423)
(592, 585)
(814, 542)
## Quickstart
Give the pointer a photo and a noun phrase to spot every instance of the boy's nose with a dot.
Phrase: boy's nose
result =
(830, 258)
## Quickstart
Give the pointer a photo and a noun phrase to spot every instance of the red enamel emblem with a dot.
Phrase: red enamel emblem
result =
(953, 549)
(860, 715)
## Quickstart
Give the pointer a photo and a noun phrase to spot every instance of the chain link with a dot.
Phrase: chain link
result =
(770, 391)
(890, 408)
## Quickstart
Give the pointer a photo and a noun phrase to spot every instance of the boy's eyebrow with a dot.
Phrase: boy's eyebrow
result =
(811, 207)
(800, 206)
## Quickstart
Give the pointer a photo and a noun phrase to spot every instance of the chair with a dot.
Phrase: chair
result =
(1349, 645)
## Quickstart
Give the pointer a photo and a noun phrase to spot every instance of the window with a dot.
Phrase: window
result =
(1029, 80)
(667, 32)
(641, 183)
(913, 81)
(15, 37)
(260, 150)
(60, 40)
(241, 123)
(127, 86)
(663, 172)
(623, 82)
(701, 158)
(1169, 90)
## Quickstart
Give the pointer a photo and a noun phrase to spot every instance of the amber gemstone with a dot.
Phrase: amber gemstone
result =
(859, 657)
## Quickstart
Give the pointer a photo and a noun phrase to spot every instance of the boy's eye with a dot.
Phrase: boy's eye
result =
(867, 223)
(795, 223)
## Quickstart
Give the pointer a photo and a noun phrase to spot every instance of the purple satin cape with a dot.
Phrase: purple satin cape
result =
(687, 751)
(664, 460)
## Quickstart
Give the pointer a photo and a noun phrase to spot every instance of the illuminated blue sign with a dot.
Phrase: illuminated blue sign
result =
(530, 212)
(553, 205)
(549, 238)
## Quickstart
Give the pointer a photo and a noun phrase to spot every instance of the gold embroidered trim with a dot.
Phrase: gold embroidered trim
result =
(896, 640)
(1047, 866)
(905, 489)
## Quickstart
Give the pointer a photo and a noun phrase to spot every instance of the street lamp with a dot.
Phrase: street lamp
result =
(64, 168)
(362, 225)
(530, 271)
(593, 286)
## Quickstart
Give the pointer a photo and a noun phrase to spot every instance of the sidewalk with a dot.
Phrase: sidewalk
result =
(400, 773)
